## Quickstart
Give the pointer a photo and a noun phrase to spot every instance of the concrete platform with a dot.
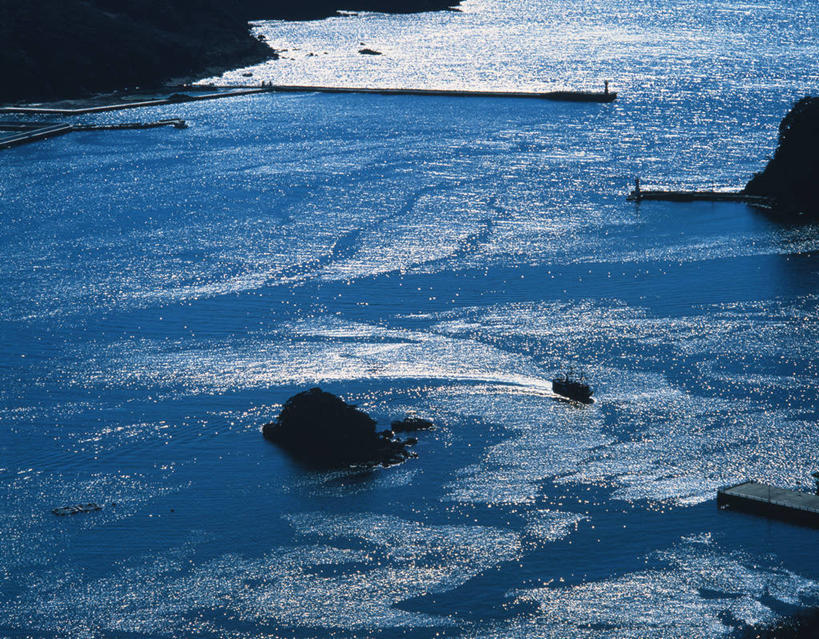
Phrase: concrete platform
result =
(789, 505)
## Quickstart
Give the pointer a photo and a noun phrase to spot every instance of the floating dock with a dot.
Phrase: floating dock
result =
(761, 499)
(640, 195)
(564, 96)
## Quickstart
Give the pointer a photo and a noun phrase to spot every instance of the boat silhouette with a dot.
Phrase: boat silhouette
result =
(572, 387)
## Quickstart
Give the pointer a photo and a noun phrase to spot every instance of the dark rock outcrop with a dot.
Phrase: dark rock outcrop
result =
(410, 423)
(366, 51)
(321, 428)
(791, 177)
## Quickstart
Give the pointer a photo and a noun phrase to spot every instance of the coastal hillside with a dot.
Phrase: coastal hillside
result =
(792, 175)
(67, 48)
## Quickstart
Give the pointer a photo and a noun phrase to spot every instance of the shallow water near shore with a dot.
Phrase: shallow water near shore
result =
(164, 292)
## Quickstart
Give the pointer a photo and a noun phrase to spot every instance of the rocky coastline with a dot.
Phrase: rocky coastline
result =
(791, 177)
(56, 49)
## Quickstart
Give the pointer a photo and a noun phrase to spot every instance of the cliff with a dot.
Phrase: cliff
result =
(791, 177)
(68, 48)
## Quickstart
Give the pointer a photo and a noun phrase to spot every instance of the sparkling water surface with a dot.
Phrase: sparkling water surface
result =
(164, 292)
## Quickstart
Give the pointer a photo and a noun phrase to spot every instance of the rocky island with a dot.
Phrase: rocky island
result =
(55, 49)
(791, 178)
(322, 429)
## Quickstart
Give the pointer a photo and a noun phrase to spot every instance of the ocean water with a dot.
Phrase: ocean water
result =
(165, 291)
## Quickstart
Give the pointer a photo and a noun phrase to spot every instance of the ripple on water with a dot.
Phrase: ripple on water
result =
(696, 591)
(353, 577)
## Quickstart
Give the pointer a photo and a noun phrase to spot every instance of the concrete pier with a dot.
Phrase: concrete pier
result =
(178, 98)
(640, 195)
(565, 96)
(761, 499)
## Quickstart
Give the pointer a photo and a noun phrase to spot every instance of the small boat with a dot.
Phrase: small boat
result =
(573, 388)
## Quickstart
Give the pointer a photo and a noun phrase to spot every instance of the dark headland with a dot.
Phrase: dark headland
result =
(789, 184)
(54, 49)
(791, 178)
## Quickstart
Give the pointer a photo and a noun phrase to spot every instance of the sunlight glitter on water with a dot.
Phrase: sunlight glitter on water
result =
(734, 582)
(165, 293)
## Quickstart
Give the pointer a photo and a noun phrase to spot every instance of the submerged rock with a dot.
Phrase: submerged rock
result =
(321, 428)
(791, 177)
(410, 423)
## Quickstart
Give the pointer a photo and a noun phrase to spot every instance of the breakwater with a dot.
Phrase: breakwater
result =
(16, 133)
(564, 96)
(640, 195)
(180, 98)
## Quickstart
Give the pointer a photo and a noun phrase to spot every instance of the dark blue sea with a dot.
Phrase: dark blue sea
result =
(163, 292)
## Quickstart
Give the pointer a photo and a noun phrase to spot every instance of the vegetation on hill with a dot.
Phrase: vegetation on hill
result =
(791, 177)
(66, 48)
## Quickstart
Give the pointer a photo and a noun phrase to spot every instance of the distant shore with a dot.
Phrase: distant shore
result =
(64, 49)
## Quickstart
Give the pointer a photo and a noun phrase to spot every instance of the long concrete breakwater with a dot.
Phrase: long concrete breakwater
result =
(31, 132)
(564, 96)
(178, 98)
